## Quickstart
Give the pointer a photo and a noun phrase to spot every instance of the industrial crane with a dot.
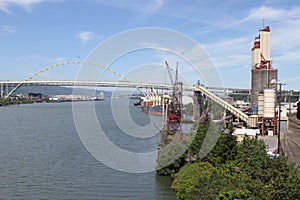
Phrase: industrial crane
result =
(169, 72)
(174, 109)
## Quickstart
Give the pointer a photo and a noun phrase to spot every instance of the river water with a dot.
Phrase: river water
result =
(42, 157)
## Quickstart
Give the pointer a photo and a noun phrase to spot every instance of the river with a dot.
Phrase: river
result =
(42, 157)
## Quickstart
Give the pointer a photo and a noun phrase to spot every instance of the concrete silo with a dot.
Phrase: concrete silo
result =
(263, 75)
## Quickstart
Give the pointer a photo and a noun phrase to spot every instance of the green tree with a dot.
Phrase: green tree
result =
(224, 150)
(252, 158)
(250, 174)
(282, 179)
(220, 185)
(189, 175)
(199, 136)
(171, 158)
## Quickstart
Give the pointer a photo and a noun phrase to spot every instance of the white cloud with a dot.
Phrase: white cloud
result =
(25, 4)
(231, 52)
(273, 14)
(228, 46)
(265, 13)
(285, 35)
(86, 36)
(7, 30)
(145, 7)
(285, 44)
(257, 14)
(235, 60)
(285, 31)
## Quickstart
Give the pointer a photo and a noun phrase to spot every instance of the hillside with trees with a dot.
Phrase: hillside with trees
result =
(227, 170)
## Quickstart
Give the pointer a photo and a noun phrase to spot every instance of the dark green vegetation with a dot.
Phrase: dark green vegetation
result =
(7, 101)
(188, 109)
(229, 170)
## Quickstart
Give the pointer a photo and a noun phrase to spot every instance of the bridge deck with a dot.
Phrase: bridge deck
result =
(128, 84)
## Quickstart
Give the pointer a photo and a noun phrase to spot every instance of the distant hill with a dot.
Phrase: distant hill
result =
(55, 90)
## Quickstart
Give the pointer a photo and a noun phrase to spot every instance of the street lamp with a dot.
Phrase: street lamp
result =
(279, 116)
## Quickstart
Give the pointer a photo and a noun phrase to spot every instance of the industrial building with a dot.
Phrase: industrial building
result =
(264, 83)
(263, 75)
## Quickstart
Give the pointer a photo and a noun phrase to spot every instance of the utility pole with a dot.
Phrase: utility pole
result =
(290, 107)
(279, 117)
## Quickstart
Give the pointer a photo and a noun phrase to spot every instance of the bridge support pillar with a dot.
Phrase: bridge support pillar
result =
(198, 107)
(6, 89)
(1, 90)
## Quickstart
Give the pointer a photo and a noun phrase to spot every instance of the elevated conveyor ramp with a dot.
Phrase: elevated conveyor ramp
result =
(223, 103)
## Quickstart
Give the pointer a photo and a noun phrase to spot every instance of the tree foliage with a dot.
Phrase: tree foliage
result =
(189, 176)
(223, 169)
(256, 176)
(171, 157)
(204, 142)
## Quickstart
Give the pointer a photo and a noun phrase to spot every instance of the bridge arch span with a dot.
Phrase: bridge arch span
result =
(67, 63)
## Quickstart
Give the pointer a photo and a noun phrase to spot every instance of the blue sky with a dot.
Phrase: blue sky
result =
(38, 33)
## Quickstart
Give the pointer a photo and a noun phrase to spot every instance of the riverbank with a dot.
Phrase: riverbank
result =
(7, 102)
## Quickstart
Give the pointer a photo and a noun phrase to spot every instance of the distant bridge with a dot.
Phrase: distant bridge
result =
(12, 84)
(128, 84)
(15, 84)
(6, 85)
(122, 84)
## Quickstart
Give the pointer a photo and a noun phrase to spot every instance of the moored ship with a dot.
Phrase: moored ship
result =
(153, 104)
(153, 110)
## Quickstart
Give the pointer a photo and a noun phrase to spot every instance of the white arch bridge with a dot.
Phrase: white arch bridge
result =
(8, 87)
